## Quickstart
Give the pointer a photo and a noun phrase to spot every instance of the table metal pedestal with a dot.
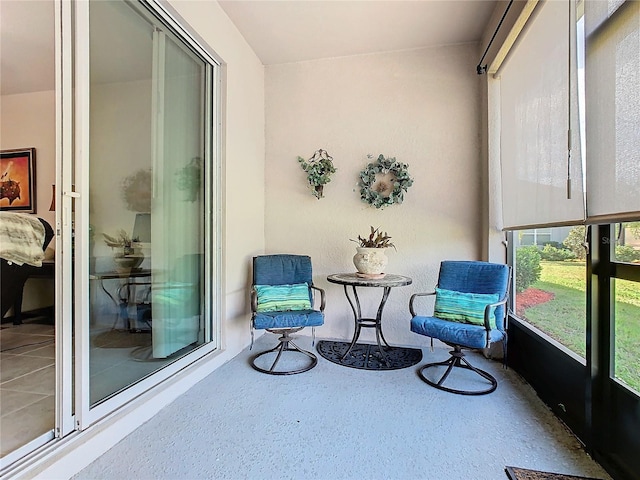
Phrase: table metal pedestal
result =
(353, 280)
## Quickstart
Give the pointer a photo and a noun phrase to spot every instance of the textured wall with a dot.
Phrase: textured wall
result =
(421, 106)
(28, 120)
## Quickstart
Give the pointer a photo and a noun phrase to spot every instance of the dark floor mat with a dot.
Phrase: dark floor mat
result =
(369, 357)
(515, 473)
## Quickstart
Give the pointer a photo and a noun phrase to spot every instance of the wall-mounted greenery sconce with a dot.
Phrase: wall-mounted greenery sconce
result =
(384, 181)
(188, 179)
(319, 169)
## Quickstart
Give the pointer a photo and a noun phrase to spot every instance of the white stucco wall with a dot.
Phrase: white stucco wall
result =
(420, 106)
(28, 120)
(494, 248)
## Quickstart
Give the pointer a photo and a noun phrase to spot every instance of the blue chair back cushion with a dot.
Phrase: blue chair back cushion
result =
(285, 269)
(476, 277)
(467, 277)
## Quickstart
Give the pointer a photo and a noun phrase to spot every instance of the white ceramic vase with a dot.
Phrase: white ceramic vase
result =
(370, 261)
(127, 263)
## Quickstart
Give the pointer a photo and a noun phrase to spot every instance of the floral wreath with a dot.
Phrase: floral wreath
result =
(136, 191)
(384, 182)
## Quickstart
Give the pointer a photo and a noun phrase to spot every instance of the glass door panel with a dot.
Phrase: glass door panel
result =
(627, 307)
(29, 336)
(146, 203)
(627, 246)
(627, 333)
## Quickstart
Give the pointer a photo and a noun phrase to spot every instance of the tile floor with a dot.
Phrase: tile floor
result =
(118, 359)
(27, 383)
(27, 375)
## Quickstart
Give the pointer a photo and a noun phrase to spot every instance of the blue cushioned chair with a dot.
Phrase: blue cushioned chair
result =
(278, 270)
(468, 277)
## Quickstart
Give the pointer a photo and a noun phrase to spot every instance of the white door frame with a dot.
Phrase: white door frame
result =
(65, 423)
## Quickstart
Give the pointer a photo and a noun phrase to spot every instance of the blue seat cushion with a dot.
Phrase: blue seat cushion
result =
(470, 336)
(291, 319)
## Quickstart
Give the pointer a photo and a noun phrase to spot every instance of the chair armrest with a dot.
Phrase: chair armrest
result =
(322, 297)
(413, 297)
(254, 300)
(487, 312)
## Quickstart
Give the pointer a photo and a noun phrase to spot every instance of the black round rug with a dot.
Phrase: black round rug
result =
(367, 357)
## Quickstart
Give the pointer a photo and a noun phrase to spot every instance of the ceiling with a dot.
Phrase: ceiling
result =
(278, 31)
(298, 30)
(26, 46)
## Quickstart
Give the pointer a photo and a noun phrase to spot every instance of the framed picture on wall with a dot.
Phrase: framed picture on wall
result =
(18, 180)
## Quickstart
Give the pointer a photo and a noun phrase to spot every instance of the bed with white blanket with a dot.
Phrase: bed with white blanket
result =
(23, 240)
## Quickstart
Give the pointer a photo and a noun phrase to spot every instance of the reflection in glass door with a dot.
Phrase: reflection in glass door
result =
(148, 151)
(178, 203)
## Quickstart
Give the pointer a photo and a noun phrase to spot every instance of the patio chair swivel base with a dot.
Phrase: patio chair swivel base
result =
(285, 344)
(457, 359)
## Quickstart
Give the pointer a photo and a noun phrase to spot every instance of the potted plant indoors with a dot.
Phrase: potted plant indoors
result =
(124, 255)
(370, 259)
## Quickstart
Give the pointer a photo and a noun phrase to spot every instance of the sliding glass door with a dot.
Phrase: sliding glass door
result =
(133, 101)
(30, 331)
(146, 274)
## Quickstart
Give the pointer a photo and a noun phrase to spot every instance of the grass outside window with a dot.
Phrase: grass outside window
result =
(561, 314)
(627, 333)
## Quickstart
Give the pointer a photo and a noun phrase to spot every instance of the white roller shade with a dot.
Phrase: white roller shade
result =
(540, 186)
(613, 110)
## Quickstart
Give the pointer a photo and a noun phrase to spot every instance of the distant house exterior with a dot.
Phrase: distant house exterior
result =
(541, 236)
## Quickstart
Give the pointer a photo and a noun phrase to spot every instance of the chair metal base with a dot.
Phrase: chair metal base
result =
(285, 344)
(457, 359)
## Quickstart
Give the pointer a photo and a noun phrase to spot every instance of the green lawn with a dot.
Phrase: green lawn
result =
(563, 318)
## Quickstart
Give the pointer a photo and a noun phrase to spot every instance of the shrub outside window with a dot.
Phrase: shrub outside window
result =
(550, 284)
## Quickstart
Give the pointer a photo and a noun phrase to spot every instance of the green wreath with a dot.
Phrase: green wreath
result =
(384, 182)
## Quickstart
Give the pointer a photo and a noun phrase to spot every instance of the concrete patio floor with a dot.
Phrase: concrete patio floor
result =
(334, 422)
